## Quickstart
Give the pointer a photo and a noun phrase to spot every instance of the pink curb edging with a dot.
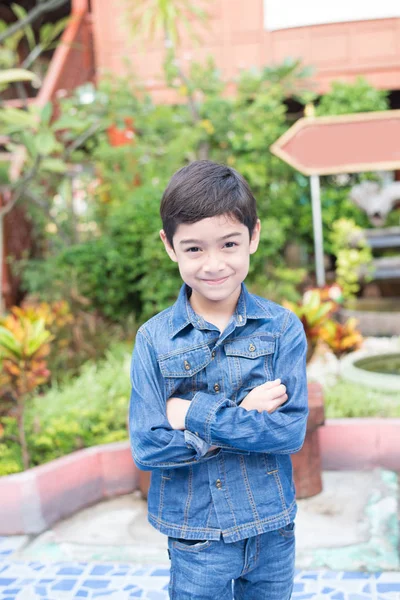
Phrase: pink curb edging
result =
(348, 444)
(31, 502)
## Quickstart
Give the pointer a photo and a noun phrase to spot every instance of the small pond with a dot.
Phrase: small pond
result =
(382, 363)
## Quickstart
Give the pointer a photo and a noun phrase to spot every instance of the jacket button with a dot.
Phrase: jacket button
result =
(216, 387)
(218, 484)
(252, 347)
(213, 354)
(187, 365)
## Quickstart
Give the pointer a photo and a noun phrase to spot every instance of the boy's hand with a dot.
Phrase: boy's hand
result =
(176, 412)
(266, 397)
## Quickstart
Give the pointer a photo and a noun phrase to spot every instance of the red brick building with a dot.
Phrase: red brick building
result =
(342, 40)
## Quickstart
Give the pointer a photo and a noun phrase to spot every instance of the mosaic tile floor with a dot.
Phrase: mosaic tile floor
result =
(116, 581)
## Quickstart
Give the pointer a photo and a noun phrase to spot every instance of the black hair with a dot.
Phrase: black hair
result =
(205, 189)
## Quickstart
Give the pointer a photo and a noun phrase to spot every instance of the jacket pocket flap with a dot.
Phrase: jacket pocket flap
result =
(185, 364)
(250, 347)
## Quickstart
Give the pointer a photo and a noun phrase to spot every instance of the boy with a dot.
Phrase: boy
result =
(208, 415)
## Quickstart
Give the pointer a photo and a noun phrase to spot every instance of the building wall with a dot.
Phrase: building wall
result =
(236, 37)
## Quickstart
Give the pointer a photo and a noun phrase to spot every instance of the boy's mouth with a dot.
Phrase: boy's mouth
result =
(215, 281)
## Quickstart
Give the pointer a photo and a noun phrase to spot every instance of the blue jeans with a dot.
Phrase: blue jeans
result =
(257, 568)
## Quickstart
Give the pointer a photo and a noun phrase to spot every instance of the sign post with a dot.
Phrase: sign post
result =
(317, 226)
(344, 144)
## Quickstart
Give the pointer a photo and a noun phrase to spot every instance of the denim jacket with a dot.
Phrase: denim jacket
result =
(245, 486)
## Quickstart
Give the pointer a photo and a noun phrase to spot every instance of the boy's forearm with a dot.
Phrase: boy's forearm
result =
(226, 425)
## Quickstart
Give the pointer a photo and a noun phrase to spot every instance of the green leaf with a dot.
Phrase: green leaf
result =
(29, 143)
(9, 343)
(46, 113)
(54, 165)
(21, 13)
(49, 32)
(12, 75)
(45, 142)
(70, 122)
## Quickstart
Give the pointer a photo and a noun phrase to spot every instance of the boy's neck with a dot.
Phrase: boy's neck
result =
(217, 313)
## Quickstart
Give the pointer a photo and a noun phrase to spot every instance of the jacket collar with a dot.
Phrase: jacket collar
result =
(182, 313)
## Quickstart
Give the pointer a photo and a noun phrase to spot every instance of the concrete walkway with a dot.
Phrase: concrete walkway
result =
(347, 548)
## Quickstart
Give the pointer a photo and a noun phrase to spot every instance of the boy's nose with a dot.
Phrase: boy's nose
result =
(213, 264)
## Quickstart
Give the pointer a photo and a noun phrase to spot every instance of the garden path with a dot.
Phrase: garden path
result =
(347, 548)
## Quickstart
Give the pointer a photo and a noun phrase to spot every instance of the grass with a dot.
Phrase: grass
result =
(345, 399)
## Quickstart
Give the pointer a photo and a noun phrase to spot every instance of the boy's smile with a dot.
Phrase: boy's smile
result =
(213, 258)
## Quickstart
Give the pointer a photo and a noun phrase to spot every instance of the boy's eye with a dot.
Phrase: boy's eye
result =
(193, 249)
(230, 244)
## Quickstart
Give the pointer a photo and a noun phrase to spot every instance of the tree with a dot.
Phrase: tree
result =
(149, 17)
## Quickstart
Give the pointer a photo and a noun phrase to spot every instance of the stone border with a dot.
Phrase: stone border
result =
(32, 501)
(360, 443)
(380, 381)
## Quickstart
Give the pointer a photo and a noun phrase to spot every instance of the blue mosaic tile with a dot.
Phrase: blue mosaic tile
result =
(70, 571)
(79, 580)
(101, 570)
(65, 584)
(160, 573)
(388, 587)
(95, 584)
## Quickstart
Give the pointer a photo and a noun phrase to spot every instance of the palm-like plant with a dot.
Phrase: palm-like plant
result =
(342, 338)
(24, 345)
(149, 18)
(313, 313)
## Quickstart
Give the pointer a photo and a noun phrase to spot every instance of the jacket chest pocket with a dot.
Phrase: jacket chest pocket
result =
(250, 362)
(183, 371)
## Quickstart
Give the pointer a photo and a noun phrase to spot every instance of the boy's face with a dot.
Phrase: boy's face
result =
(213, 256)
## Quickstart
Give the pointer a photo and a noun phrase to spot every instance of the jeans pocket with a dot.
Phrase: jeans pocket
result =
(287, 531)
(189, 545)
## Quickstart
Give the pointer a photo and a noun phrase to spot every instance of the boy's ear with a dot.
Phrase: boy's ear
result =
(167, 246)
(255, 237)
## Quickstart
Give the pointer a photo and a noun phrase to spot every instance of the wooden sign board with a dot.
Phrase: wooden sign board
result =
(342, 144)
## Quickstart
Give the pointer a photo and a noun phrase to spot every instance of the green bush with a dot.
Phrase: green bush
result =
(345, 98)
(345, 399)
(90, 410)
(123, 269)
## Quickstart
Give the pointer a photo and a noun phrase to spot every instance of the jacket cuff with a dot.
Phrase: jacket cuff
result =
(201, 414)
(200, 446)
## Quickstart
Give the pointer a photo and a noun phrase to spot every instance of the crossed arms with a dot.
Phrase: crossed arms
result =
(272, 417)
